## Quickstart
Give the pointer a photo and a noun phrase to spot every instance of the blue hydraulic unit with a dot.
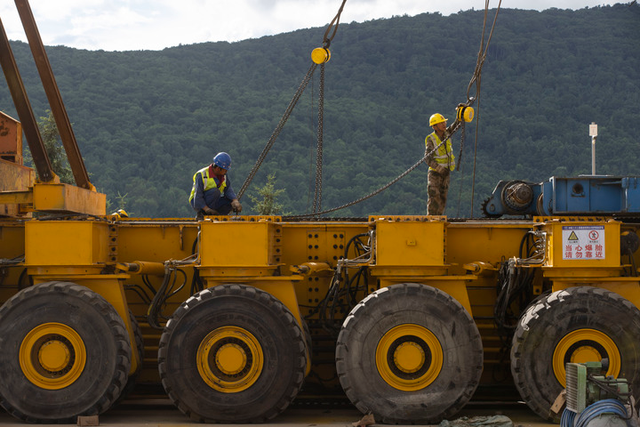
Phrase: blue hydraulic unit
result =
(584, 195)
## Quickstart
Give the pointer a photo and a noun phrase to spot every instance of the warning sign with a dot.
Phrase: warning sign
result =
(583, 242)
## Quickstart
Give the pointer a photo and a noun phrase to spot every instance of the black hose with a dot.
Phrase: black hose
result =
(153, 312)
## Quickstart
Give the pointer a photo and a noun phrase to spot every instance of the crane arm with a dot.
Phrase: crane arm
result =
(53, 95)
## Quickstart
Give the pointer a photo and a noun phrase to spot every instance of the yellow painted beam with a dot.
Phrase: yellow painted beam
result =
(68, 198)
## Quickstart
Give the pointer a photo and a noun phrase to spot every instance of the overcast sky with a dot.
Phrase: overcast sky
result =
(156, 24)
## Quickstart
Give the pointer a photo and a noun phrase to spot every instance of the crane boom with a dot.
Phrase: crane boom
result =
(53, 95)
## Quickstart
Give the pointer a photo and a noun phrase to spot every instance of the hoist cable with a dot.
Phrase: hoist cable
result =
(477, 79)
(482, 53)
(333, 25)
(475, 152)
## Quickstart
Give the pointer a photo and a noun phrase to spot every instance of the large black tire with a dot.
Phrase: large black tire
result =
(64, 352)
(578, 324)
(131, 382)
(409, 353)
(232, 354)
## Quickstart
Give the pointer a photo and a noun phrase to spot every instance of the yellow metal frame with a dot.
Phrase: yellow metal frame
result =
(410, 241)
(67, 243)
(609, 266)
(68, 198)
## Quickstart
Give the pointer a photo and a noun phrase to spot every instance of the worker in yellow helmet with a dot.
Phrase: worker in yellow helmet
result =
(441, 162)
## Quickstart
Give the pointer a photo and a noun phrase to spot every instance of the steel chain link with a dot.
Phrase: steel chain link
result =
(379, 190)
(278, 129)
(317, 200)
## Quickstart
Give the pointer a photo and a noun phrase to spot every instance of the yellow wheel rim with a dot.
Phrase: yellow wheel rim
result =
(409, 357)
(52, 356)
(230, 359)
(585, 345)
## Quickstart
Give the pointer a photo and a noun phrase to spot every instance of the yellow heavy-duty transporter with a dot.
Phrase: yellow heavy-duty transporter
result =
(408, 316)
(402, 309)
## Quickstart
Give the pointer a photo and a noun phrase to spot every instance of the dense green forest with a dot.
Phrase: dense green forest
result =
(147, 120)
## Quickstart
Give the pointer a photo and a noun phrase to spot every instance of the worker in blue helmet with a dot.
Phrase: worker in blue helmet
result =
(212, 193)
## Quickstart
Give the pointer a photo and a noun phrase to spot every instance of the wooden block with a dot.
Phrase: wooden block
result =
(91, 420)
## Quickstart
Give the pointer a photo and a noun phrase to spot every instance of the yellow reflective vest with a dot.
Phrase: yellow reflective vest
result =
(208, 182)
(444, 154)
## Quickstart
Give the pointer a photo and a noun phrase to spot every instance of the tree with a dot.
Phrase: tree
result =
(118, 204)
(268, 204)
(53, 146)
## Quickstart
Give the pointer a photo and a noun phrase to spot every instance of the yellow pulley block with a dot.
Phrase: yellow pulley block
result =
(320, 55)
(465, 113)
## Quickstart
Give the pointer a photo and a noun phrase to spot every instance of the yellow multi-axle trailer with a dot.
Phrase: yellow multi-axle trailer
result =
(408, 317)
(231, 314)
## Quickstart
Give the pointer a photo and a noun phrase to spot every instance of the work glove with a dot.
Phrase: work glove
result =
(236, 206)
(207, 210)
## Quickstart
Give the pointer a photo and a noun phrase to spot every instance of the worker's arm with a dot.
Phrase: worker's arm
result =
(231, 195)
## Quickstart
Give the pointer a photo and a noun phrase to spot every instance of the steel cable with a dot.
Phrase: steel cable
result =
(333, 24)
(476, 79)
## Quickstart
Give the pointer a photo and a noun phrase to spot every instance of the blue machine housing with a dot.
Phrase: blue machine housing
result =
(584, 195)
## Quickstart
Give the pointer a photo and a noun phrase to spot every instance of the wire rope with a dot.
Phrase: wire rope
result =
(477, 79)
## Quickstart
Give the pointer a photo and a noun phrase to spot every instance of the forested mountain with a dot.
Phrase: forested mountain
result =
(147, 120)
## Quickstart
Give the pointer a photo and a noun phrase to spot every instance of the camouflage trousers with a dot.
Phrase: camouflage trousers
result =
(437, 189)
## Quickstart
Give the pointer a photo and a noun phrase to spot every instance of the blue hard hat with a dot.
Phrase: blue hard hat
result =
(222, 160)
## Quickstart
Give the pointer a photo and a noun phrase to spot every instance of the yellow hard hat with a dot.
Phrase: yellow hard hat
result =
(436, 118)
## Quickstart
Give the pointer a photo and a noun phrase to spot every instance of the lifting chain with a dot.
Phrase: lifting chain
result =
(278, 129)
(317, 200)
(333, 25)
(475, 80)
(379, 190)
(462, 135)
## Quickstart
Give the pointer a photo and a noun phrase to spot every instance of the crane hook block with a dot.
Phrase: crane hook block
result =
(321, 55)
(465, 113)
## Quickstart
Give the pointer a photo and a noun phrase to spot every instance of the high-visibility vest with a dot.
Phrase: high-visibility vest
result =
(208, 182)
(444, 154)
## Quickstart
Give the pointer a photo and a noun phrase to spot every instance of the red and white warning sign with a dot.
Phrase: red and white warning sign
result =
(583, 242)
